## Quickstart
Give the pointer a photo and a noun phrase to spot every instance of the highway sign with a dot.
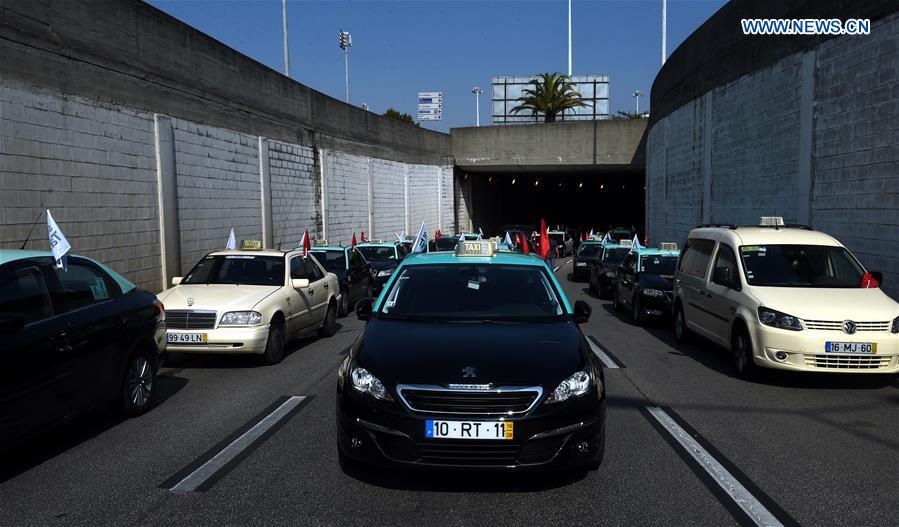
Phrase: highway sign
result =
(430, 94)
(430, 105)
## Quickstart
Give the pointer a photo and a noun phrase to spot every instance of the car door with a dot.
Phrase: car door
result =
(95, 326)
(692, 275)
(318, 291)
(722, 293)
(34, 357)
(627, 279)
(299, 304)
(359, 274)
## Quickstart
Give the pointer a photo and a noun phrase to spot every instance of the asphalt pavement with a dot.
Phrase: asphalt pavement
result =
(687, 444)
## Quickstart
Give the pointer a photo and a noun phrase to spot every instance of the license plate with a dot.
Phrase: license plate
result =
(469, 429)
(185, 338)
(581, 264)
(850, 347)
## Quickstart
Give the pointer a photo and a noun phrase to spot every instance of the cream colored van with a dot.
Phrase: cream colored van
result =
(784, 297)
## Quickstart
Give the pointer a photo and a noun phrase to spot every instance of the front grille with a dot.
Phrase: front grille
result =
(400, 448)
(540, 450)
(188, 319)
(837, 325)
(847, 362)
(466, 452)
(500, 401)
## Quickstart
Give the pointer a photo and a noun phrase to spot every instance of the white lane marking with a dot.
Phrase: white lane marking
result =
(208, 469)
(603, 356)
(569, 261)
(556, 268)
(742, 497)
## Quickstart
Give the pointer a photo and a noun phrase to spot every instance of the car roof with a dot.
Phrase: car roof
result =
(652, 251)
(591, 242)
(263, 252)
(377, 244)
(12, 255)
(449, 257)
(765, 236)
(329, 248)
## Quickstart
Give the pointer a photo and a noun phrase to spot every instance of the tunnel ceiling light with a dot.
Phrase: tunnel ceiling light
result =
(602, 187)
(490, 180)
(580, 185)
(513, 180)
(536, 182)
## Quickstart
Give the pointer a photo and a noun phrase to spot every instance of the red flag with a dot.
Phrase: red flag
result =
(353, 241)
(517, 239)
(868, 281)
(524, 245)
(437, 235)
(544, 240)
(362, 237)
(306, 243)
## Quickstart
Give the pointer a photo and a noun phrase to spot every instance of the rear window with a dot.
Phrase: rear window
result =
(694, 259)
(330, 260)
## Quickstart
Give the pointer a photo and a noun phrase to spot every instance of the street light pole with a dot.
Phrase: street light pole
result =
(637, 94)
(664, 30)
(284, 24)
(346, 42)
(477, 104)
(569, 38)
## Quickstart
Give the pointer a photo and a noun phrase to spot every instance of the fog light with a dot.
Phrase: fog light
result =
(781, 356)
(355, 442)
(582, 447)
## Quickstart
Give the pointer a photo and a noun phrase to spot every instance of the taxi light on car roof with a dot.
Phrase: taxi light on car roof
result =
(321, 243)
(251, 245)
(771, 221)
(626, 243)
(667, 246)
(475, 248)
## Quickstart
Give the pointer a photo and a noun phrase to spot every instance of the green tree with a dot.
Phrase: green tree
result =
(394, 114)
(552, 93)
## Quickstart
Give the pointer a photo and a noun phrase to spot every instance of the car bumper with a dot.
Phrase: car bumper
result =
(805, 350)
(570, 437)
(654, 306)
(249, 340)
(580, 271)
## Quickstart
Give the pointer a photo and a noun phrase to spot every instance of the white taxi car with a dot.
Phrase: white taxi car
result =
(784, 297)
(249, 302)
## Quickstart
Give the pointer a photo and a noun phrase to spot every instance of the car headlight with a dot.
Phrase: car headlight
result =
(241, 318)
(385, 272)
(895, 328)
(776, 319)
(654, 293)
(578, 384)
(365, 382)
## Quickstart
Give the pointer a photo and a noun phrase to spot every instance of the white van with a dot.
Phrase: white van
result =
(784, 297)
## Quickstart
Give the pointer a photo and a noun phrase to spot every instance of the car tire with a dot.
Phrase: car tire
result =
(638, 316)
(274, 347)
(616, 302)
(344, 303)
(594, 463)
(138, 384)
(329, 325)
(741, 349)
(682, 334)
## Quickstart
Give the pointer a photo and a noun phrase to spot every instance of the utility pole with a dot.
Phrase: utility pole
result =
(664, 30)
(284, 24)
(346, 42)
(477, 91)
(636, 95)
(569, 38)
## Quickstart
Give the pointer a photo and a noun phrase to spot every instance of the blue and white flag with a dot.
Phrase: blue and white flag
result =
(508, 240)
(232, 241)
(636, 243)
(400, 236)
(591, 234)
(59, 245)
(480, 233)
(421, 241)
(606, 239)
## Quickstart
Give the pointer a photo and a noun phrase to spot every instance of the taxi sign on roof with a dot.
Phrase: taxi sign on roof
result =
(667, 246)
(626, 243)
(251, 245)
(475, 248)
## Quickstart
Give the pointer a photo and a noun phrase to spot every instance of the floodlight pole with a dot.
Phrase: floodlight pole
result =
(477, 104)
(569, 38)
(346, 42)
(664, 31)
(284, 25)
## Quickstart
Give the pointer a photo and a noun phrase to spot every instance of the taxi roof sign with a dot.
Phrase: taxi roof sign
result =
(475, 248)
(667, 246)
(771, 221)
(626, 243)
(251, 245)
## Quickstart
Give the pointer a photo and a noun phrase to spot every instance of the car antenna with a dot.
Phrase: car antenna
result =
(33, 225)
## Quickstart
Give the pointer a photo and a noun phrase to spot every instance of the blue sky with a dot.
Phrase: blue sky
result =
(403, 47)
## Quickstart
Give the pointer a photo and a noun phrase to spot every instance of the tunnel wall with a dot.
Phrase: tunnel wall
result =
(149, 141)
(807, 130)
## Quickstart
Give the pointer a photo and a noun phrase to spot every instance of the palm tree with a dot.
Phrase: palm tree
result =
(552, 94)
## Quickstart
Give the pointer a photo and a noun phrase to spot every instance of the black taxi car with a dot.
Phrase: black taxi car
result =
(472, 360)
(353, 273)
(644, 282)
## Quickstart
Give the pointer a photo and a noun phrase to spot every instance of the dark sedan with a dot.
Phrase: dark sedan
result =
(474, 364)
(604, 270)
(71, 340)
(587, 254)
(352, 271)
(383, 258)
(644, 284)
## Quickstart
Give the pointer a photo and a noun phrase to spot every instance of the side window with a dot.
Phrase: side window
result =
(695, 257)
(684, 256)
(297, 271)
(728, 262)
(312, 271)
(630, 263)
(401, 252)
(354, 259)
(23, 291)
(81, 286)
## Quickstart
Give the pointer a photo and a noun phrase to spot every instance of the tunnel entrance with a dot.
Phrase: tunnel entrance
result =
(579, 200)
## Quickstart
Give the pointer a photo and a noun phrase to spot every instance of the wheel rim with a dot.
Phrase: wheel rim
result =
(140, 382)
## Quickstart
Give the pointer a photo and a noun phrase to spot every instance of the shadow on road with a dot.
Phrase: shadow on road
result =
(463, 482)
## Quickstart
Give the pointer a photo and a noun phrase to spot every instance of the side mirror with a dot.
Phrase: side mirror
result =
(722, 276)
(176, 280)
(364, 308)
(299, 283)
(877, 275)
(11, 323)
(582, 311)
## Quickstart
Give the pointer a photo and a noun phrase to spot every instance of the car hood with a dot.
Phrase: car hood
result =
(656, 281)
(436, 353)
(861, 305)
(215, 297)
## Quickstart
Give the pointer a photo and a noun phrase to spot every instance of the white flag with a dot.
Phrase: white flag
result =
(606, 239)
(480, 233)
(232, 241)
(508, 240)
(398, 237)
(421, 241)
(591, 234)
(636, 243)
(59, 245)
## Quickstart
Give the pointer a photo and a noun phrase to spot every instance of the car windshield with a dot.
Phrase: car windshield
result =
(800, 266)
(330, 260)
(658, 264)
(558, 237)
(615, 256)
(373, 253)
(589, 249)
(466, 292)
(445, 244)
(237, 269)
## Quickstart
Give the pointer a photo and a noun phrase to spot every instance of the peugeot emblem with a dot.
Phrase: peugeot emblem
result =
(849, 326)
(190, 301)
(469, 372)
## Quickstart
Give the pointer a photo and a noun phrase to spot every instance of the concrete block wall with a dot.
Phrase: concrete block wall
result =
(346, 186)
(92, 165)
(296, 194)
(424, 180)
(388, 198)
